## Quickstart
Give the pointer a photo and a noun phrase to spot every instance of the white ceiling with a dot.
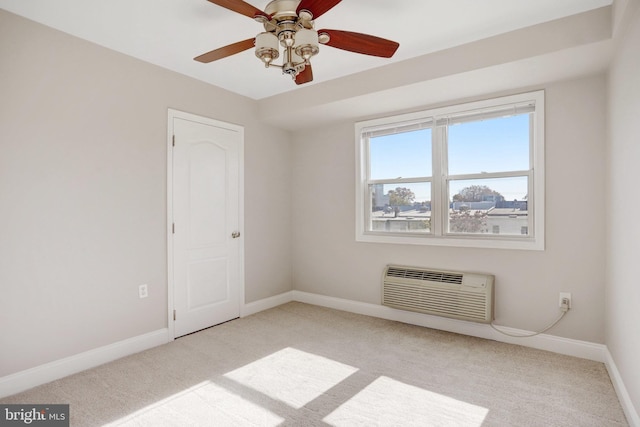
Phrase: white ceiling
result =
(170, 33)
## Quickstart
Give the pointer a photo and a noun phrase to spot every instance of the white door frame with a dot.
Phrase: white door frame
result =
(170, 281)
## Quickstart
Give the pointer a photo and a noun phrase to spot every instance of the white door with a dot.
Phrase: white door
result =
(205, 208)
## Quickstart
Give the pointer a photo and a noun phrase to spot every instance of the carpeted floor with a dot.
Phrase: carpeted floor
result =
(301, 365)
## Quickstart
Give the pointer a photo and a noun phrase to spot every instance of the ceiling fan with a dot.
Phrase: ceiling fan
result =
(290, 24)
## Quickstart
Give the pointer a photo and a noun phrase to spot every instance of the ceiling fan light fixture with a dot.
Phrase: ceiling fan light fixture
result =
(267, 47)
(306, 44)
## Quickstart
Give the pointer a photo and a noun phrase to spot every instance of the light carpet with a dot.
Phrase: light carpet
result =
(302, 365)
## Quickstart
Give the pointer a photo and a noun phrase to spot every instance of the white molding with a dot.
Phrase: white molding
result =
(266, 303)
(567, 346)
(24, 380)
(623, 395)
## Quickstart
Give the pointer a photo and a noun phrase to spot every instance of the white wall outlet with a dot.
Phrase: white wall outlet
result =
(143, 291)
(564, 295)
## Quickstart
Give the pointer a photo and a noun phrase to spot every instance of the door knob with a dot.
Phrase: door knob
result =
(235, 234)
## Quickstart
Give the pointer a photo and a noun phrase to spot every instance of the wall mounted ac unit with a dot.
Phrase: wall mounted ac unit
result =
(456, 294)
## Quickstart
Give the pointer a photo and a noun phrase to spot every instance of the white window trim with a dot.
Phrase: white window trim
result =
(536, 185)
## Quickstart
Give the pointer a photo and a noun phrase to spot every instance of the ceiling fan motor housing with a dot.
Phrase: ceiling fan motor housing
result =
(283, 9)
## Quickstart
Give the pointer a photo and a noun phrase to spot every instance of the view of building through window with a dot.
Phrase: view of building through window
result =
(464, 174)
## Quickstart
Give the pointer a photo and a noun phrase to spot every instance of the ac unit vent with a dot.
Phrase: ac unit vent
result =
(428, 275)
(460, 295)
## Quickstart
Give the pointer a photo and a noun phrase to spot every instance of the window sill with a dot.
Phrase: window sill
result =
(516, 243)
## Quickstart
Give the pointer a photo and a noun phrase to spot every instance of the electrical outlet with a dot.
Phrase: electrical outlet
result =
(564, 295)
(143, 291)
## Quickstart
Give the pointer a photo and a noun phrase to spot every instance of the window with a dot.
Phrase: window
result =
(465, 175)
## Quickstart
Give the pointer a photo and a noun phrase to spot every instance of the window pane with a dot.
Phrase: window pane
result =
(489, 206)
(401, 207)
(493, 145)
(401, 155)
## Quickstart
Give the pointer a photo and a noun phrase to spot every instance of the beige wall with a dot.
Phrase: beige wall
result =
(83, 193)
(328, 261)
(623, 243)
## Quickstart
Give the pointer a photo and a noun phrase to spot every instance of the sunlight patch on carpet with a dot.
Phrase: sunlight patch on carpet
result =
(292, 376)
(389, 402)
(200, 405)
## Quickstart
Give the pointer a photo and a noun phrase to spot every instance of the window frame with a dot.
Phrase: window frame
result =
(439, 234)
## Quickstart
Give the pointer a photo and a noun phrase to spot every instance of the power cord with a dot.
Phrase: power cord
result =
(564, 307)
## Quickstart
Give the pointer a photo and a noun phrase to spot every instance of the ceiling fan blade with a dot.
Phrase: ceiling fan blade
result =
(225, 51)
(240, 7)
(361, 43)
(305, 76)
(316, 7)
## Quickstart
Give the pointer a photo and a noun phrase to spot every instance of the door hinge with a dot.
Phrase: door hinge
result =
(173, 140)
(174, 315)
(173, 228)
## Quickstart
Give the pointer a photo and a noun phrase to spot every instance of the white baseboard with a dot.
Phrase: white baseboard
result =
(623, 395)
(570, 347)
(24, 380)
(265, 304)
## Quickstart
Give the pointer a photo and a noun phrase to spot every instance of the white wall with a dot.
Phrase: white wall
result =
(328, 261)
(623, 243)
(83, 193)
